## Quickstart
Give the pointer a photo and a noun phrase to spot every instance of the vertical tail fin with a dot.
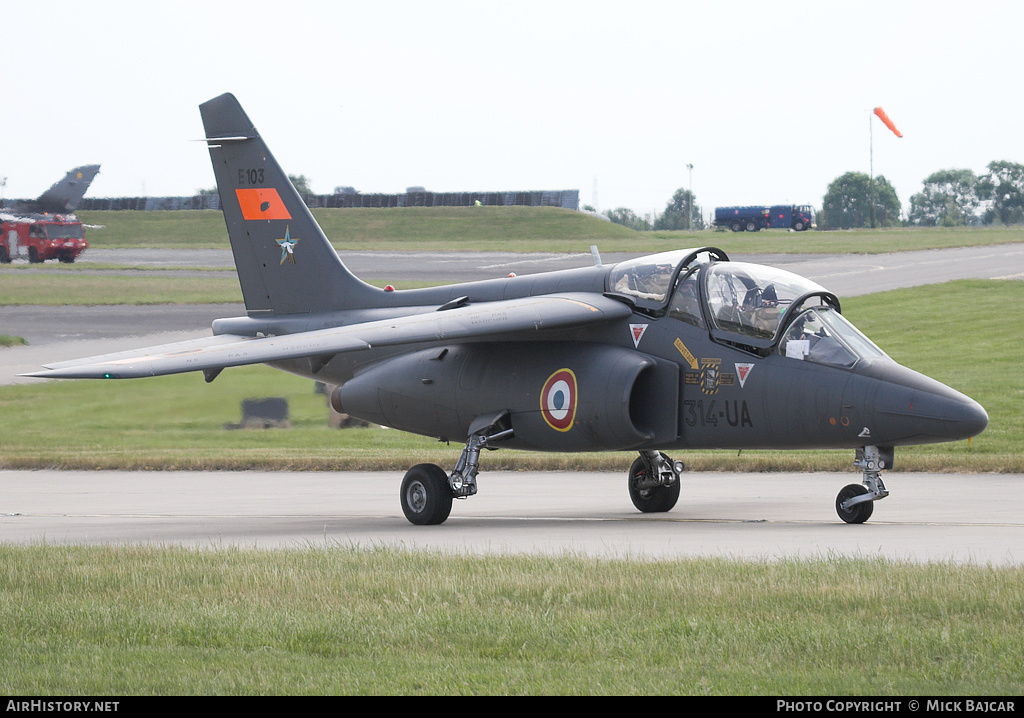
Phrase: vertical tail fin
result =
(65, 194)
(285, 263)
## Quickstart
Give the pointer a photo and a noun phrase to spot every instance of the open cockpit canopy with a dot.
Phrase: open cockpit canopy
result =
(748, 306)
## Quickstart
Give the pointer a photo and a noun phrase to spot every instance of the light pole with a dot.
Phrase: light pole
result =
(689, 201)
(871, 167)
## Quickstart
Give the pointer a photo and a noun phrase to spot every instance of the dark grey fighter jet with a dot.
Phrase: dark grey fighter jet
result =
(675, 351)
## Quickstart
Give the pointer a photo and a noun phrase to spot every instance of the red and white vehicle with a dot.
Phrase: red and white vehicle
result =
(41, 237)
(45, 228)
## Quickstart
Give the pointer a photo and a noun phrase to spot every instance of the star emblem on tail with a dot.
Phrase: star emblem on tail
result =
(287, 247)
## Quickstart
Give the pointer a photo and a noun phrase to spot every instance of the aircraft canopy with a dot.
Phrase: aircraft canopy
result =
(647, 281)
(752, 299)
(753, 306)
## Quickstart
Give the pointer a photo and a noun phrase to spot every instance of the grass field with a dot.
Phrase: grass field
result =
(520, 229)
(177, 421)
(77, 288)
(21, 286)
(349, 620)
(419, 228)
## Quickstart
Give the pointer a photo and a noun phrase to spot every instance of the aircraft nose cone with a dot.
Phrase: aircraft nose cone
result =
(917, 409)
(951, 417)
(972, 420)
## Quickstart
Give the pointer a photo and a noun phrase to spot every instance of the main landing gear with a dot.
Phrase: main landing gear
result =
(855, 502)
(427, 491)
(654, 482)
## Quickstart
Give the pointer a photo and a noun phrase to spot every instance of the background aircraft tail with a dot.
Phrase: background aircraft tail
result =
(285, 263)
(66, 193)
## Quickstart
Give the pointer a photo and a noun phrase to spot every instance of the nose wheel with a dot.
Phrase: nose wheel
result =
(855, 502)
(854, 513)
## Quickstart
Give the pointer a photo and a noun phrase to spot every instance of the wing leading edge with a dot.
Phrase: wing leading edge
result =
(473, 322)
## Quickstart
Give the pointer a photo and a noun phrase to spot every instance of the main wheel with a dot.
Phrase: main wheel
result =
(736, 226)
(655, 499)
(858, 513)
(752, 226)
(426, 495)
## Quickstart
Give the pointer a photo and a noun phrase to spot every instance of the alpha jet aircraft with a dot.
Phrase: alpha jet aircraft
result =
(675, 351)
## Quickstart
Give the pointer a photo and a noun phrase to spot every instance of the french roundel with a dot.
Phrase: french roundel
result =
(558, 400)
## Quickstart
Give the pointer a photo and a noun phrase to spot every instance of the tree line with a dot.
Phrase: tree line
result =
(948, 198)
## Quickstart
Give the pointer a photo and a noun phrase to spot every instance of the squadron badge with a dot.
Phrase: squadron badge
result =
(710, 375)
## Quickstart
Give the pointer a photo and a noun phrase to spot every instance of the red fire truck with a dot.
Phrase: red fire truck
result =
(41, 237)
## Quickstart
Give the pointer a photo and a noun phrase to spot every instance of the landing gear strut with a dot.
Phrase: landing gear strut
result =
(654, 482)
(427, 491)
(855, 502)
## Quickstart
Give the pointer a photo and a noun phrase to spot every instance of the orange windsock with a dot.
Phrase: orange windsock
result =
(888, 123)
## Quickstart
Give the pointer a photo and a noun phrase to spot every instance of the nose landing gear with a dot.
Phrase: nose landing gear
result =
(855, 502)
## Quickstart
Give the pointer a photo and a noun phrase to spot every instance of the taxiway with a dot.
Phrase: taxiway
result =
(764, 516)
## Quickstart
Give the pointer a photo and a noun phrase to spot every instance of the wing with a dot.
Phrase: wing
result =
(470, 322)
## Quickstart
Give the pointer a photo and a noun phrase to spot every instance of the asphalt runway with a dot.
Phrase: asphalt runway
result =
(768, 516)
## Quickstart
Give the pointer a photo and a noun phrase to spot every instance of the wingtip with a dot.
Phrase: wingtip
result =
(69, 373)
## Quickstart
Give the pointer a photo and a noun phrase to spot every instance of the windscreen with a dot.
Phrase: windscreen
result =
(63, 231)
(822, 335)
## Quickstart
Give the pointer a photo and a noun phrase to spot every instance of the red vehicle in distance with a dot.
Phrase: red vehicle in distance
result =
(45, 228)
(60, 237)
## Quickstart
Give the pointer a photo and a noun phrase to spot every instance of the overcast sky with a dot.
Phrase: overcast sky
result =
(768, 100)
